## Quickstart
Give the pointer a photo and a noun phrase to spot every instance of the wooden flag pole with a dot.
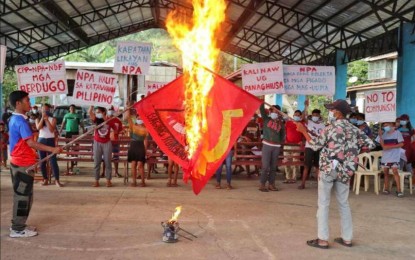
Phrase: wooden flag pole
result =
(78, 138)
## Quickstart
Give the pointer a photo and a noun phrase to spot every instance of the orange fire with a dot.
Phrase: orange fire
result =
(195, 38)
(176, 214)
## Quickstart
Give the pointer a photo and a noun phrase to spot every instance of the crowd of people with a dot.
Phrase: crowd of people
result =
(324, 149)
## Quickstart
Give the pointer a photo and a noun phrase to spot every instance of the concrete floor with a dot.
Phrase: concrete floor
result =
(81, 222)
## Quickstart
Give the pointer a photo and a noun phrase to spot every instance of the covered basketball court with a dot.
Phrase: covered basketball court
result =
(80, 222)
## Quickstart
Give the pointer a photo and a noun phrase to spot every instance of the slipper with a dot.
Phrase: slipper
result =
(174, 185)
(142, 184)
(292, 181)
(301, 187)
(314, 243)
(217, 186)
(340, 241)
(168, 184)
(272, 188)
(263, 189)
(386, 192)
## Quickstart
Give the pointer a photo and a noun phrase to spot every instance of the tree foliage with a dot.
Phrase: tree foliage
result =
(357, 69)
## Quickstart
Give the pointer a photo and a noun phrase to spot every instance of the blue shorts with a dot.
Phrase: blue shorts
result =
(390, 165)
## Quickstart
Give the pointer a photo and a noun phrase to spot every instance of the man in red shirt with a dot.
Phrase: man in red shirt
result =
(292, 136)
(22, 157)
(102, 143)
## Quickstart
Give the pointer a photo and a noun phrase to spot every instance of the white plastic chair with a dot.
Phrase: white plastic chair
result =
(364, 160)
(402, 176)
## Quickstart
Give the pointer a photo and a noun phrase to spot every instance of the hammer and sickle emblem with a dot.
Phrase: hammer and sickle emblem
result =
(212, 155)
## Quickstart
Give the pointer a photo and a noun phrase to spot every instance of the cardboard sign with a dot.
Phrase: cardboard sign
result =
(309, 80)
(152, 86)
(132, 58)
(380, 106)
(3, 50)
(263, 78)
(94, 88)
(42, 79)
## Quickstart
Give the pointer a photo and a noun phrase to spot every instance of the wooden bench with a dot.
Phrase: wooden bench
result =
(249, 153)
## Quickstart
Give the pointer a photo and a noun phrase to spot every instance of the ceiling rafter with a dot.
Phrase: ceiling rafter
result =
(61, 50)
(243, 19)
(66, 21)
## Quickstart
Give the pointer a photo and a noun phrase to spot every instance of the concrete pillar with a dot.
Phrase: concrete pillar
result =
(405, 85)
(341, 75)
(300, 102)
(278, 100)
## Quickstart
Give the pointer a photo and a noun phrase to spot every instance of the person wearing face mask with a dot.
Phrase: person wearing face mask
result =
(251, 133)
(362, 125)
(353, 118)
(102, 144)
(114, 140)
(340, 144)
(46, 124)
(315, 127)
(407, 132)
(292, 136)
(274, 136)
(4, 140)
(391, 142)
(138, 147)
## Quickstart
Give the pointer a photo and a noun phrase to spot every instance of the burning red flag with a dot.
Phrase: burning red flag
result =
(228, 111)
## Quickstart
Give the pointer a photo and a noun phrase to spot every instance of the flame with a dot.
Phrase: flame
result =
(176, 214)
(197, 42)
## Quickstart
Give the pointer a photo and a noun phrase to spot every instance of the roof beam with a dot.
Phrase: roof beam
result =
(155, 10)
(66, 20)
(61, 50)
(243, 19)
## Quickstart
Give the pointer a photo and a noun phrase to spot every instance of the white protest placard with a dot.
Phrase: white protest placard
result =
(152, 86)
(309, 80)
(132, 58)
(94, 88)
(42, 79)
(380, 106)
(3, 50)
(263, 78)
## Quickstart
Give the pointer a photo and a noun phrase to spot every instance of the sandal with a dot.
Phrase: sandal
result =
(263, 189)
(272, 188)
(340, 241)
(217, 186)
(314, 243)
(386, 192)
(174, 185)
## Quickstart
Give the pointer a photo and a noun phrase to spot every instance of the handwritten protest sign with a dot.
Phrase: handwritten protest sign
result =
(309, 80)
(152, 86)
(94, 88)
(263, 78)
(380, 106)
(3, 50)
(132, 58)
(42, 79)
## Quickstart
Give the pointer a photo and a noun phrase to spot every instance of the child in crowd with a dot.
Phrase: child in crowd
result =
(391, 141)
(4, 140)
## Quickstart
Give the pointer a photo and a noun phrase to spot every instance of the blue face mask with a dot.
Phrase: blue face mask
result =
(353, 121)
(360, 122)
(403, 122)
(297, 118)
(315, 118)
(387, 128)
(273, 115)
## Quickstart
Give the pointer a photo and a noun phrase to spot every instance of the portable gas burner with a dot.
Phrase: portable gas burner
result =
(171, 229)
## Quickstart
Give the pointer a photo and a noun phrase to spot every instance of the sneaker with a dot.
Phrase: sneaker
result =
(399, 194)
(23, 233)
(31, 228)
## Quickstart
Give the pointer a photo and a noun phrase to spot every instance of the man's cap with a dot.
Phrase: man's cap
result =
(341, 105)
